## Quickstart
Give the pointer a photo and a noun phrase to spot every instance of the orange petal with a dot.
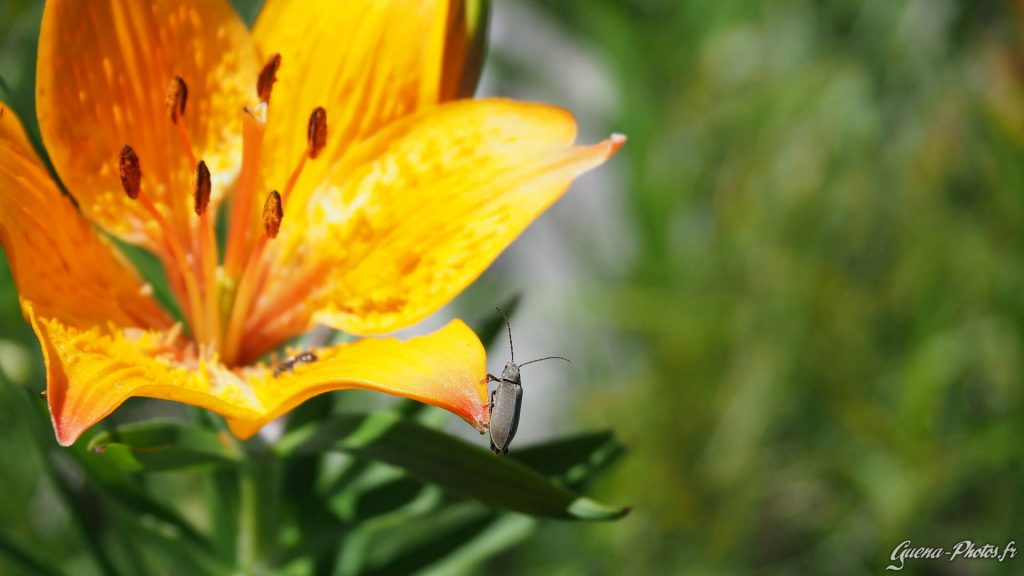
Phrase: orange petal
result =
(416, 214)
(59, 263)
(90, 372)
(367, 62)
(102, 80)
(446, 369)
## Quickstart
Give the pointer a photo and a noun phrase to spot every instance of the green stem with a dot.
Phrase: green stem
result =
(257, 513)
(249, 553)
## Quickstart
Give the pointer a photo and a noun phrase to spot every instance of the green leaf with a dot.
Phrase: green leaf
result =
(382, 503)
(160, 446)
(504, 532)
(457, 466)
(25, 559)
(404, 543)
(571, 459)
(126, 490)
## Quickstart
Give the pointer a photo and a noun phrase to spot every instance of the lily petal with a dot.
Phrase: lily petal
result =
(446, 369)
(59, 263)
(102, 79)
(90, 372)
(367, 62)
(416, 214)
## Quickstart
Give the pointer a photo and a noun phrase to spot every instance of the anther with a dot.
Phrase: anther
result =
(131, 172)
(316, 133)
(177, 97)
(268, 75)
(201, 187)
(272, 214)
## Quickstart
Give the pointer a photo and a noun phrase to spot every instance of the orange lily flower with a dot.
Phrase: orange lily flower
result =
(157, 115)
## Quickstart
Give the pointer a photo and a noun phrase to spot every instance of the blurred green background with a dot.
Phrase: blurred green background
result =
(796, 294)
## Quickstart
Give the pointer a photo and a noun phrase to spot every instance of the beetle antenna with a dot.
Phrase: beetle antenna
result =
(546, 358)
(509, 326)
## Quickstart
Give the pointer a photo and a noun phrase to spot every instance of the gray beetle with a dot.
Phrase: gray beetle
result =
(507, 398)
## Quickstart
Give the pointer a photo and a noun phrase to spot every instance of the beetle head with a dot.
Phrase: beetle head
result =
(510, 373)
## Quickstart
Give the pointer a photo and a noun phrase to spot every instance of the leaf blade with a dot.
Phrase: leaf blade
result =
(455, 465)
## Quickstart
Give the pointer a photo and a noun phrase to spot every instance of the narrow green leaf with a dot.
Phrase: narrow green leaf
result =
(504, 532)
(380, 506)
(401, 544)
(124, 489)
(457, 466)
(160, 446)
(224, 500)
(21, 557)
(572, 460)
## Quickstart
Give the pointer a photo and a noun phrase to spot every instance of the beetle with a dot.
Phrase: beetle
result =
(288, 364)
(507, 398)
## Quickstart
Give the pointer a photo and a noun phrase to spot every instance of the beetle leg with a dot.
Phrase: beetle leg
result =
(491, 405)
(492, 378)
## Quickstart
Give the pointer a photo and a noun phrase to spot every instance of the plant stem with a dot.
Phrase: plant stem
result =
(249, 553)
(257, 511)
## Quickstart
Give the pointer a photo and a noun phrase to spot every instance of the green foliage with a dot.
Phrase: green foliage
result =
(438, 458)
(812, 346)
(820, 323)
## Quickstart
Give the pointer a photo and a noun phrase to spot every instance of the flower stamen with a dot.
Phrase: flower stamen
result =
(130, 169)
(316, 131)
(177, 97)
(273, 213)
(201, 188)
(267, 78)
(207, 250)
(316, 141)
(130, 172)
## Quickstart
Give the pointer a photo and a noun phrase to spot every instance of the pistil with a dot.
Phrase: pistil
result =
(242, 218)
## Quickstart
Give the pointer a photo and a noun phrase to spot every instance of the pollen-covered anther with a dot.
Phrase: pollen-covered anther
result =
(177, 97)
(273, 212)
(268, 75)
(316, 133)
(131, 172)
(201, 187)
